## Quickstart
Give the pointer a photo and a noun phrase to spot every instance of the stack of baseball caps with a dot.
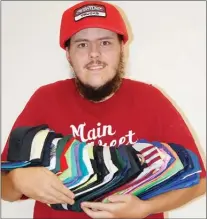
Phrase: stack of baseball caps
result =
(92, 172)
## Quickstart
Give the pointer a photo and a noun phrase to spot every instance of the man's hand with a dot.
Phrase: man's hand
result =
(40, 184)
(120, 206)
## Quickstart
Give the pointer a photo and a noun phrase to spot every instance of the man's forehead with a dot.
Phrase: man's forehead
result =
(93, 34)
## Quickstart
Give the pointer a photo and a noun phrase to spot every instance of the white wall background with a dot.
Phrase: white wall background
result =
(168, 50)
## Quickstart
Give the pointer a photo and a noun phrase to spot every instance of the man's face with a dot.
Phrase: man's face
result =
(94, 55)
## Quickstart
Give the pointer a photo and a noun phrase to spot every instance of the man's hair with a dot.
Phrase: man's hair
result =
(67, 43)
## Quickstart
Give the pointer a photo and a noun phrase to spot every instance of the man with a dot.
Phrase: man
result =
(98, 105)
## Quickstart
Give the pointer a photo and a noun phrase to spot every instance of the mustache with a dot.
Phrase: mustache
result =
(95, 62)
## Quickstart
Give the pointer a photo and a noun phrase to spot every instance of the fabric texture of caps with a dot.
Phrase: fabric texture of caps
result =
(98, 189)
(7, 165)
(68, 174)
(116, 159)
(172, 170)
(81, 167)
(146, 148)
(144, 169)
(27, 143)
(87, 156)
(111, 171)
(77, 163)
(53, 154)
(103, 172)
(38, 144)
(185, 158)
(91, 168)
(47, 147)
(185, 180)
(19, 150)
(119, 178)
(91, 14)
(59, 149)
(15, 144)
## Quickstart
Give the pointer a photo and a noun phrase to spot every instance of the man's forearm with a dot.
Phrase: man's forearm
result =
(177, 198)
(8, 192)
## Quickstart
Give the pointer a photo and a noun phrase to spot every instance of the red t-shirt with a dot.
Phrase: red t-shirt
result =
(137, 110)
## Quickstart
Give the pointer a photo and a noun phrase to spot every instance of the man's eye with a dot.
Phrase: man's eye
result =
(82, 45)
(105, 43)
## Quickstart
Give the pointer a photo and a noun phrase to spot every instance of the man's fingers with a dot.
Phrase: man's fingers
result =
(63, 189)
(118, 198)
(48, 200)
(99, 206)
(60, 197)
(96, 214)
(53, 200)
(63, 199)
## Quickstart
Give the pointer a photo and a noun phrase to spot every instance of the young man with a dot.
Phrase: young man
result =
(98, 105)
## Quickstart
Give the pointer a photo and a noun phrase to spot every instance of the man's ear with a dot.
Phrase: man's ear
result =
(67, 54)
(122, 46)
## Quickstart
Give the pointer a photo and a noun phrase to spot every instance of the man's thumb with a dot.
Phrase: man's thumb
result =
(117, 198)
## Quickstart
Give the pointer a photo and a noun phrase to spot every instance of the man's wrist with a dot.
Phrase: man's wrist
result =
(12, 178)
(147, 207)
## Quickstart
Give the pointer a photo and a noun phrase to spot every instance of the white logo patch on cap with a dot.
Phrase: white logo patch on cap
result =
(89, 11)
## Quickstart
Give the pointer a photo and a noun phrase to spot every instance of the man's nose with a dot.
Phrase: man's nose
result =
(94, 51)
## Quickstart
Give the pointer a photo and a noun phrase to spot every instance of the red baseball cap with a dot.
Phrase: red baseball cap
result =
(89, 14)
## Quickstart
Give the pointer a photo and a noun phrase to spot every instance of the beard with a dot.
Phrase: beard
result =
(100, 93)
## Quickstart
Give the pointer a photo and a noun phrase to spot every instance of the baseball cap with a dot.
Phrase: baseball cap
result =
(91, 14)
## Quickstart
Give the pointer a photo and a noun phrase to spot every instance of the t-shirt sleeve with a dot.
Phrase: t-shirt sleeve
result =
(171, 127)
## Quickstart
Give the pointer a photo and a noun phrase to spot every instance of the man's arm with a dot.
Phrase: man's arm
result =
(129, 206)
(177, 198)
(31, 115)
(171, 128)
(8, 191)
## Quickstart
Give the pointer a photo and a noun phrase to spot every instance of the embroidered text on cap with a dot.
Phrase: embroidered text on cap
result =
(90, 11)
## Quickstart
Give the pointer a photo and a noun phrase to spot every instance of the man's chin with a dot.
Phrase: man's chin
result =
(97, 90)
(95, 86)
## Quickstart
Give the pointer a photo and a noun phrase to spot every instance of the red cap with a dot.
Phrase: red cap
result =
(89, 14)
